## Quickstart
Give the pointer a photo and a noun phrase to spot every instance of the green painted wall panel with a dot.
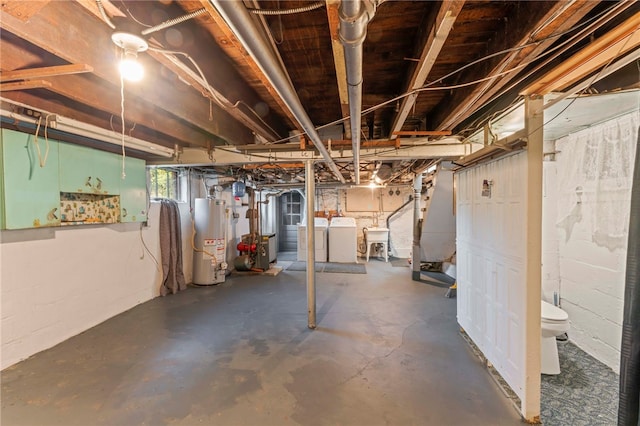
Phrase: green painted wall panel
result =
(87, 170)
(2, 222)
(31, 190)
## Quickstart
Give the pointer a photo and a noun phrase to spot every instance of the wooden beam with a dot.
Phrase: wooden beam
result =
(423, 133)
(227, 41)
(223, 76)
(137, 111)
(24, 85)
(39, 103)
(536, 23)
(185, 73)
(274, 166)
(56, 30)
(23, 10)
(339, 60)
(431, 48)
(27, 74)
(103, 98)
(620, 40)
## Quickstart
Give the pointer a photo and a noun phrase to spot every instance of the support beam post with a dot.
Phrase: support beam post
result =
(310, 190)
(417, 227)
(534, 122)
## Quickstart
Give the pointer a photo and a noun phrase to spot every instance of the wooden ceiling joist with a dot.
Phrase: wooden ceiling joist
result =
(621, 39)
(227, 41)
(34, 73)
(339, 60)
(536, 25)
(422, 133)
(431, 49)
(24, 85)
(53, 30)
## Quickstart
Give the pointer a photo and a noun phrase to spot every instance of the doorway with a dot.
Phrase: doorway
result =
(290, 213)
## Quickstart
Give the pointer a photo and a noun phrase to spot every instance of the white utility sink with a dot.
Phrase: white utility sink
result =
(378, 236)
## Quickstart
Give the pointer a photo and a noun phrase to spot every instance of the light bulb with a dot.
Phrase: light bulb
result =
(130, 69)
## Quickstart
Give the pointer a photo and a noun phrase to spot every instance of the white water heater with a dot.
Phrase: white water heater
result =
(209, 256)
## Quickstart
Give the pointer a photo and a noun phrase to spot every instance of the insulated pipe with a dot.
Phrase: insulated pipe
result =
(629, 399)
(354, 17)
(310, 189)
(239, 20)
(417, 227)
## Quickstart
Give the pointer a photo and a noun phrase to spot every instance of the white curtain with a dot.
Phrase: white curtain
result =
(595, 172)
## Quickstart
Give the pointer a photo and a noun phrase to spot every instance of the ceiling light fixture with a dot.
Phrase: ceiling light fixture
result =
(132, 44)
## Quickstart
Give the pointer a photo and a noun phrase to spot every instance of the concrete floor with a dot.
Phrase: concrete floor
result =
(386, 352)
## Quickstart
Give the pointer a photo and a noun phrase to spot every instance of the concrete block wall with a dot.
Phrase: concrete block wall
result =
(56, 283)
(587, 271)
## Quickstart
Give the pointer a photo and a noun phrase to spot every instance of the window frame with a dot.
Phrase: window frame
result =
(172, 182)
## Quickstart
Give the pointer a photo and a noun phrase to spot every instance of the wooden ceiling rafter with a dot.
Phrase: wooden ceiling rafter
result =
(185, 105)
(42, 72)
(195, 81)
(40, 104)
(24, 85)
(619, 40)
(339, 61)
(559, 17)
(98, 97)
(431, 47)
(228, 42)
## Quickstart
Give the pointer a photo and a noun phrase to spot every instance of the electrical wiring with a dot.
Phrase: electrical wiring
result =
(550, 51)
(146, 248)
(225, 103)
(124, 4)
(124, 174)
(593, 80)
(275, 12)
(193, 243)
(429, 86)
(42, 161)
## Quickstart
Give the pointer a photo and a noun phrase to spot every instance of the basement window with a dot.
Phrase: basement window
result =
(164, 183)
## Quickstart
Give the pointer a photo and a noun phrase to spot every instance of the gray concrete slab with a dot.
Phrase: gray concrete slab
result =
(386, 352)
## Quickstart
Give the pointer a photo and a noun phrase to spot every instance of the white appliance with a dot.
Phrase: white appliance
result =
(321, 224)
(209, 262)
(377, 236)
(343, 240)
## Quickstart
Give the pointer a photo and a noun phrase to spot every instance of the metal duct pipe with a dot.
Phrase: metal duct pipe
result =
(239, 20)
(354, 18)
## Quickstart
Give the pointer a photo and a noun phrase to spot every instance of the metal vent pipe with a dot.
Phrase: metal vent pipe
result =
(239, 20)
(355, 15)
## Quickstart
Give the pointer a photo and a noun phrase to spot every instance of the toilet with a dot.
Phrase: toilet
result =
(555, 321)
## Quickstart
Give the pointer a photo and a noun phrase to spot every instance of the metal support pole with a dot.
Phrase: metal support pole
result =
(417, 227)
(310, 189)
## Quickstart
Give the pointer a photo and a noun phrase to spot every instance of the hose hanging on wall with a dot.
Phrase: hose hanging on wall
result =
(629, 402)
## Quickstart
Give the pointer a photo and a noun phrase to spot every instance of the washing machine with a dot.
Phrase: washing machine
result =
(321, 224)
(343, 240)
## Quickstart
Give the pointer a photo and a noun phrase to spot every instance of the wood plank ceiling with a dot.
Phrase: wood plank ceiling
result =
(427, 66)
